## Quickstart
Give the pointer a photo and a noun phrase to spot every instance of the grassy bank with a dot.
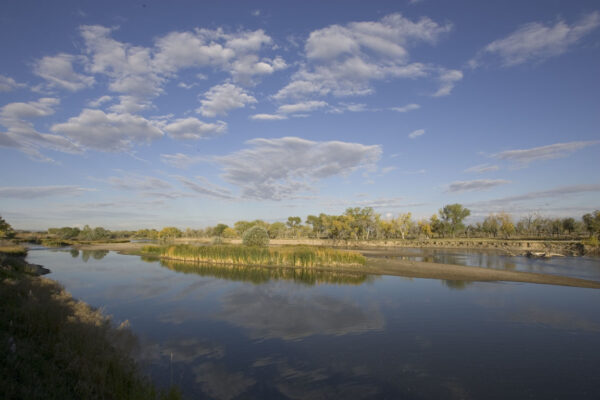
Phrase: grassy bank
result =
(292, 256)
(55, 347)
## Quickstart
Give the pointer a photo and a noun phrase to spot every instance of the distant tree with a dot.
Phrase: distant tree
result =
(506, 224)
(568, 224)
(425, 228)
(256, 236)
(218, 230)
(242, 226)
(452, 216)
(403, 223)
(170, 232)
(6, 231)
(592, 222)
(436, 225)
(491, 225)
(230, 233)
(277, 230)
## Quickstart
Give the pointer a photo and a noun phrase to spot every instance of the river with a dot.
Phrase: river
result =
(228, 333)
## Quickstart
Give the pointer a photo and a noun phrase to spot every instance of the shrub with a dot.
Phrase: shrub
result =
(256, 236)
(217, 240)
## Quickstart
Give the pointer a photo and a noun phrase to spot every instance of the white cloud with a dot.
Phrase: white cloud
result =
(416, 134)
(558, 150)
(58, 72)
(138, 183)
(20, 132)
(281, 168)
(447, 79)
(481, 168)
(268, 117)
(221, 98)
(180, 160)
(193, 128)
(343, 60)
(475, 185)
(537, 42)
(558, 192)
(7, 84)
(301, 107)
(108, 132)
(99, 101)
(406, 108)
(34, 192)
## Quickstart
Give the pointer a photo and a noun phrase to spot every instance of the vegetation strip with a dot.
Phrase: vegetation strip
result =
(55, 347)
(294, 256)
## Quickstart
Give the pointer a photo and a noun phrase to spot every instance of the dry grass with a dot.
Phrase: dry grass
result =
(55, 347)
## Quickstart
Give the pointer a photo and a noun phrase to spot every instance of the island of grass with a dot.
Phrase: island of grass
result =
(287, 256)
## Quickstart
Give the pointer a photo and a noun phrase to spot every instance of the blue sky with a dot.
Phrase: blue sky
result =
(188, 113)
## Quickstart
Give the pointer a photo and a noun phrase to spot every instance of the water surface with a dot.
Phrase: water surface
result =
(230, 333)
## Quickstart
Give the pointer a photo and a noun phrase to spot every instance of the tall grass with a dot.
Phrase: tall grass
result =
(13, 250)
(291, 256)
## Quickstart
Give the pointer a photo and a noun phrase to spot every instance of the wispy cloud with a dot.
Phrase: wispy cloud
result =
(137, 182)
(268, 117)
(34, 192)
(481, 168)
(180, 160)
(525, 156)
(416, 134)
(475, 185)
(203, 187)
(557, 192)
(537, 42)
(406, 108)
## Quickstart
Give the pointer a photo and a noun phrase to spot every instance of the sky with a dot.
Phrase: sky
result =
(145, 114)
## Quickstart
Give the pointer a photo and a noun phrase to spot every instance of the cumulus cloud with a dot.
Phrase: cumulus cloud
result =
(180, 160)
(114, 132)
(537, 42)
(343, 60)
(58, 72)
(406, 108)
(481, 168)
(34, 192)
(221, 98)
(193, 128)
(7, 84)
(20, 132)
(475, 185)
(416, 134)
(268, 117)
(301, 107)
(557, 150)
(281, 168)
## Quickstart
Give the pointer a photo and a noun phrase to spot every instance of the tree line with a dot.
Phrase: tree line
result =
(362, 224)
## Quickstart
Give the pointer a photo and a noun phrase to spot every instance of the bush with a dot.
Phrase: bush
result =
(217, 240)
(256, 236)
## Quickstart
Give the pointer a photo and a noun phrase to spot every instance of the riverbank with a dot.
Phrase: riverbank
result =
(53, 346)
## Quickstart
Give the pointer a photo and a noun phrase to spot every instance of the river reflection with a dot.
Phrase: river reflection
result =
(228, 332)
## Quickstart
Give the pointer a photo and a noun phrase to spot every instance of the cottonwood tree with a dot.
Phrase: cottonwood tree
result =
(6, 231)
(452, 217)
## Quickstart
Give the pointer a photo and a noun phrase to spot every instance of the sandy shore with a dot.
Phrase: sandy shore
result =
(413, 269)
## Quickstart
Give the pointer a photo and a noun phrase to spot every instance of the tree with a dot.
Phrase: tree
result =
(452, 216)
(230, 233)
(403, 223)
(436, 225)
(568, 224)
(294, 224)
(425, 228)
(277, 230)
(256, 236)
(506, 225)
(491, 225)
(169, 232)
(6, 231)
(592, 222)
(218, 230)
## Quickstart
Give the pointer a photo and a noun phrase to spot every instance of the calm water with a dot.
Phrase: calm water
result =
(576, 267)
(239, 333)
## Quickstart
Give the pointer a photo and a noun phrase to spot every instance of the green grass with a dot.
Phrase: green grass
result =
(54, 347)
(291, 256)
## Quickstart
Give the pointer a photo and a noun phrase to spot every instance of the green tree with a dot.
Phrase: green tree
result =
(592, 222)
(277, 230)
(6, 231)
(170, 232)
(256, 236)
(218, 230)
(452, 217)
(568, 224)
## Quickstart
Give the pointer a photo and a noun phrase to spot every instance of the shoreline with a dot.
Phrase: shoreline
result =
(412, 269)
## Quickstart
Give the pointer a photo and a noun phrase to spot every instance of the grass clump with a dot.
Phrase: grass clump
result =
(55, 347)
(291, 256)
(13, 250)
